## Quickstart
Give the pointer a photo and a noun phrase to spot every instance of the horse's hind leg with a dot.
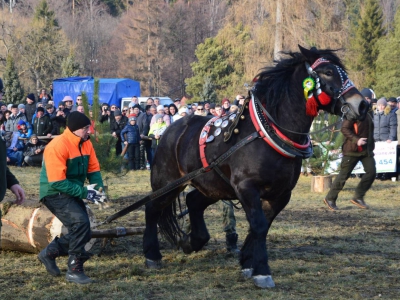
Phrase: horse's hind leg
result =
(151, 247)
(196, 203)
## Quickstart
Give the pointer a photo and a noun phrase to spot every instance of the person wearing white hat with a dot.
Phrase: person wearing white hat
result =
(68, 102)
(160, 111)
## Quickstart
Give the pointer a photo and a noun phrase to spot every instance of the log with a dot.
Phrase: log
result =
(117, 232)
(31, 229)
(320, 184)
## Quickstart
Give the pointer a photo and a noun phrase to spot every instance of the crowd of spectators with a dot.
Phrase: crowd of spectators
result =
(386, 116)
(139, 130)
(29, 126)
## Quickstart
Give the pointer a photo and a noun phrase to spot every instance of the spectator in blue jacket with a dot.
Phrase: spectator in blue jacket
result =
(25, 129)
(14, 148)
(130, 136)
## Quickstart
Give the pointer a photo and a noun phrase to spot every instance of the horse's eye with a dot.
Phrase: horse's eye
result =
(329, 73)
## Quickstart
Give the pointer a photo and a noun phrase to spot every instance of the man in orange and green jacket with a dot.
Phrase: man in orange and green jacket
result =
(68, 161)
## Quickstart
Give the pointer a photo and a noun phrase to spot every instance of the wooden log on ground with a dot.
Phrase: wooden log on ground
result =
(31, 229)
(320, 184)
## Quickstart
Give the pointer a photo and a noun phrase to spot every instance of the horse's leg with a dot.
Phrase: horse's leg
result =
(196, 203)
(254, 258)
(272, 208)
(151, 247)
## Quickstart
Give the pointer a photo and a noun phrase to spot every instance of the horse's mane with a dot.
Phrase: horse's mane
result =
(274, 83)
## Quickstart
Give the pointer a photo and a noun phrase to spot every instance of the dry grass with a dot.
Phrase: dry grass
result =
(314, 253)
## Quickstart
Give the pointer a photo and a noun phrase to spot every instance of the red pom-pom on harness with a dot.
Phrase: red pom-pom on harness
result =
(324, 99)
(311, 107)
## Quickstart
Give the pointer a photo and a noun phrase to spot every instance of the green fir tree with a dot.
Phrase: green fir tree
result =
(102, 140)
(365, 44)
(13, 91)
(69, 66)
(388, 61)
(326, 143)
(208, 93)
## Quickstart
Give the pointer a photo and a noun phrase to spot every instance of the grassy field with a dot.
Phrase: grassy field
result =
(313, 253)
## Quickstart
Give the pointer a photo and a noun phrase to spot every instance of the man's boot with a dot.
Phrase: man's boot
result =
(75, 269)
(48, 257)
(231, 243)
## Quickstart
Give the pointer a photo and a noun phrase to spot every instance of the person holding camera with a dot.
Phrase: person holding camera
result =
(57, 118)
(105, 113)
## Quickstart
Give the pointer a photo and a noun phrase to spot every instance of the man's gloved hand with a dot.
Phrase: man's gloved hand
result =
(94, 195)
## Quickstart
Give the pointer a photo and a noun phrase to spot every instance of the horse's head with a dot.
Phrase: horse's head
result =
(328, 87)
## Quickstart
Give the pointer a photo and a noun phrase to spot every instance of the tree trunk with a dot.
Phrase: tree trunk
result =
(31, 228)
(320, 184)
(278, 30)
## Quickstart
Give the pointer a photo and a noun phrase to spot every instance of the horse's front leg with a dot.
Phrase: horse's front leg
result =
(254, 257)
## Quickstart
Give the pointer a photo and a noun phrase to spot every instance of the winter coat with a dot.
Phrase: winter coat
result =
(12, 122)
(7, 179)
(385, 124)
(31, 148)
(353, 131)
(42, 126)
(398, 127)
(117, 127)
(28, 131)
(132, 134)
(67, 162)
(156, 129)
(143, 122)
(9, 136)
(30, 110)
(57, 122)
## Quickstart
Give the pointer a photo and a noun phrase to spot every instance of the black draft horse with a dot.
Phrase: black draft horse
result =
(262, 173)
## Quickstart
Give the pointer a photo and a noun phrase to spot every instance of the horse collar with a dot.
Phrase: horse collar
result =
(269, 132)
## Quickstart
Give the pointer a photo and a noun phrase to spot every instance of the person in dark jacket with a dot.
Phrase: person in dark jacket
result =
(8, 180)
(130, 136)
(385, 122)
(144, 121)
(358, 146)
(42, 124)
(57, 119)
(30, 107)
(116, 127)
(33, 154)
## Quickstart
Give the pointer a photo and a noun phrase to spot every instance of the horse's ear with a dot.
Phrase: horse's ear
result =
(310, 55)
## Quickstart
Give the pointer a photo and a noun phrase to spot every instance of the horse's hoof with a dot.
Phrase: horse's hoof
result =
(247, 273)
(153, 264)
(263, 281)
(184, 243)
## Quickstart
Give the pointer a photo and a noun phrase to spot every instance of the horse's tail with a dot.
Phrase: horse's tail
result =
(168, 223)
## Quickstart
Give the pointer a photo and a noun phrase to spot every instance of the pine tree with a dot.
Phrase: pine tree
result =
(12, 86)
(222, 60)
(208, 93)
(43, 47)
(365, 44)
(43, 13)
(103, 142)
(387, 70)
(326, 143)
(69, 66)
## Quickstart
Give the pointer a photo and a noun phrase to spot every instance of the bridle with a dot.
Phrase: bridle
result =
(346, 85)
